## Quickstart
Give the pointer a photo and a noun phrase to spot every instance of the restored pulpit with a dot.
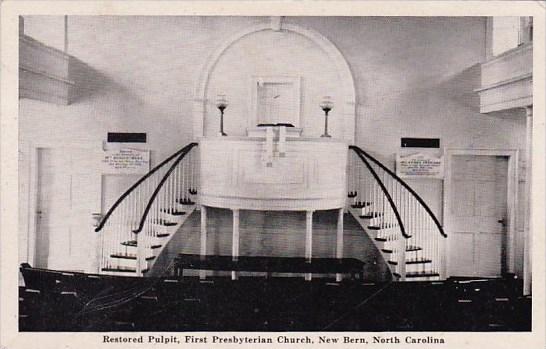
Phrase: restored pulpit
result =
(273, 169)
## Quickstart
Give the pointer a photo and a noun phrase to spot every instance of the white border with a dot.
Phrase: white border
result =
(10, 10)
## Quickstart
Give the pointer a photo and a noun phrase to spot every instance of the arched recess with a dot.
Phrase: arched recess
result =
(348, 107)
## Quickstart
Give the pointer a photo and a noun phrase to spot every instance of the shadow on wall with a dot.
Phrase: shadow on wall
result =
(88, 81)
(280, 234)
(460, 87)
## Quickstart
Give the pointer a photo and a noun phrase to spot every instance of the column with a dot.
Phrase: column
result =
(203, 250)
(235, 241)
(339, 239)
(308, 240)
(527, 251)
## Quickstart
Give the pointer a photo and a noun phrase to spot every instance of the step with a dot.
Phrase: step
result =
(163, 222)
(408, 249)
(360, 204)
(382, 226)
(186, 201)
(173, 212)
(383, 239)
(371, 215)
(426, 274)
(122, 270)
(133, 243)
(419, 275)
(127, 260)
(418, 261)
(129, 256)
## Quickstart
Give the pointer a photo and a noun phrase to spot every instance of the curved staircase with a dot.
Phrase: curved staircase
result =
(138, 226)
(398, 221)
(142, 221)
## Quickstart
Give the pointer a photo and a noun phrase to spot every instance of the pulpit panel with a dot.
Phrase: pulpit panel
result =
(237, 173)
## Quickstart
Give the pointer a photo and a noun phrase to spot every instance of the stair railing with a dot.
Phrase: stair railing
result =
(401, 217)
(134, 221)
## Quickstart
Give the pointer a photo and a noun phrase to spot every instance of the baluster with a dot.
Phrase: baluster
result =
(349, 173)
(191, 170)
(184, 180)
(166, 190)
(170, 193)
(177, 188)
(197, 171)
(172, 189)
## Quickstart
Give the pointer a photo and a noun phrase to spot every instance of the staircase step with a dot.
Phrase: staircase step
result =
(412, 261)
(425, 274)
(122, 269)
(422, 274)
(186, 202)
(382, 239)
(133, 243)
(361, 204)
(408, 249)
(164, 222)
(418, 261)
(174, 212)
(371, 215)
(129, 256)
(382, 226)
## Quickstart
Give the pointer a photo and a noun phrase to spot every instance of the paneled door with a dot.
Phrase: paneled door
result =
(478, 215)
(68, 193)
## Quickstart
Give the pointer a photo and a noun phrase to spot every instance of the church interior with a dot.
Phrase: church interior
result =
(233, 173)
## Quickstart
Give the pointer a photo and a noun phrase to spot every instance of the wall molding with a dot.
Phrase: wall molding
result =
(342, 67)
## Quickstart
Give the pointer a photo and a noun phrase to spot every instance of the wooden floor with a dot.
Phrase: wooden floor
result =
(282, 304)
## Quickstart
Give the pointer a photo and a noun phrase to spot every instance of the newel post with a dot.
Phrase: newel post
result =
(141, 258)
(401, 254)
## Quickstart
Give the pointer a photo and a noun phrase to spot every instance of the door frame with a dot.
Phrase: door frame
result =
(32, 194)
(511, 197)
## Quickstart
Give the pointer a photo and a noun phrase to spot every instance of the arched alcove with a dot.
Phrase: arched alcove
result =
(284, 41)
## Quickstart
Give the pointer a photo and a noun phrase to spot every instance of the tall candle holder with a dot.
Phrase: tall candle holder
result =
(326, 105)
(221, 104)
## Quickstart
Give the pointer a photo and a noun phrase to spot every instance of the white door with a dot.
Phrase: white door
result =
(477, 212)
(68, 193)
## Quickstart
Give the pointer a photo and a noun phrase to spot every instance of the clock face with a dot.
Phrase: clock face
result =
(276, 103)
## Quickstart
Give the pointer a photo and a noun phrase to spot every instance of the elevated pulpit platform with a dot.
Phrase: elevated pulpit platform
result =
(275, 170)
(248, 173)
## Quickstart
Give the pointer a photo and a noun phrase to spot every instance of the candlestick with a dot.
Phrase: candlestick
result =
(221, 104)
(326, 105)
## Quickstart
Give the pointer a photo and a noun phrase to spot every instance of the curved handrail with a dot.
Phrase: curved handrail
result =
(405, 185)
(137, 183)
(160, 185)
(387, 194)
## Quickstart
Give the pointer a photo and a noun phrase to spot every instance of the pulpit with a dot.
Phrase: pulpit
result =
(273, 169)
(303, 174)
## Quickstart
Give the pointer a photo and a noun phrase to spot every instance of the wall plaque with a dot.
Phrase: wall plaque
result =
(126, 161)
(420, 166)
